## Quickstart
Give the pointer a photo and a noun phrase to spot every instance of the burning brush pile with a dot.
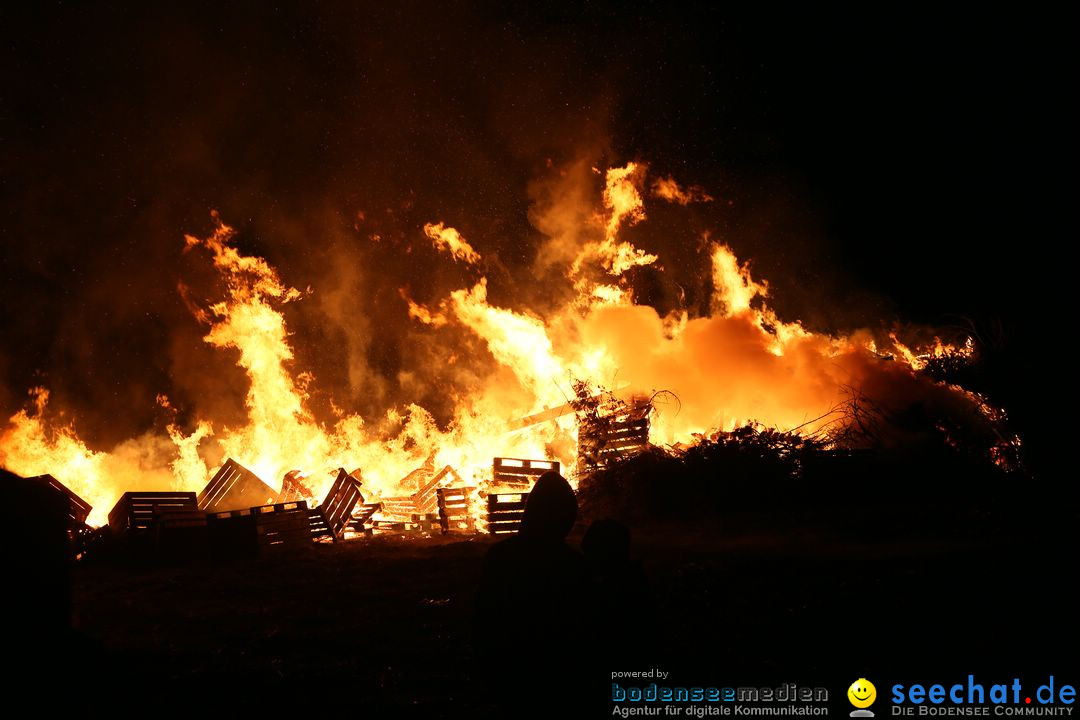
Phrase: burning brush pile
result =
(588, 384)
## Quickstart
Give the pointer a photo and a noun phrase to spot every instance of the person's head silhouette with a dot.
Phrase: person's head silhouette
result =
(550, 510)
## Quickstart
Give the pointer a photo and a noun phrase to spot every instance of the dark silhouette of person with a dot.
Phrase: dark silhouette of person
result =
(528, 623)
(619, 600)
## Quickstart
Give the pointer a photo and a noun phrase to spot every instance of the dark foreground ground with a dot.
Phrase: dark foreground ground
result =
(383, 625)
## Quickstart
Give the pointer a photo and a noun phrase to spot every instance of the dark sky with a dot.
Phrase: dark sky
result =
(913, 165)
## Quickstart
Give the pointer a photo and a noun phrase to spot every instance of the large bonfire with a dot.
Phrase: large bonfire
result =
(735, 364)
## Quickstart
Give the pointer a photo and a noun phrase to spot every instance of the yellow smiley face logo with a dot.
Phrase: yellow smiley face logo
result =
(862, 693)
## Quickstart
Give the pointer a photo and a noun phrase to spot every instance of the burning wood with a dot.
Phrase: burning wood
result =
(293, 488)
(416, 524)
(424, 501)
(425, 522)
(381, 527)
(425, 498)
(609, 430)
(455, 509)
(543, 416)
(333, 516)
(505, 511)
(234, 487)
(398, 508)
(519, 473)
(361, 519)
(758, 366)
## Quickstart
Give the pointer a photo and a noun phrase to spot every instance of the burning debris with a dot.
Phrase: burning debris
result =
(537, 390)
(610, 430)
(455, 509)
(335, 514)
(520, 474)
(505, 511)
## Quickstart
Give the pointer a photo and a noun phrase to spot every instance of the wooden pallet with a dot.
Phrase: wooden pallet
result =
(293, 488)
(424, 501)
(317, 525)
(78, 509)
(361, 518)
(398, 508)
(455, 511)
(421, 524)
(234, 487)
(505, 512)
(426, 498)
(137, 510)
(520, 473)
(601, 445)
(260, 528)
(426, 522)
(336, 510)
(282, 525)
(181, 533)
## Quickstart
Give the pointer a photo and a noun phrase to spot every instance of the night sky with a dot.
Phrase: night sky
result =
(912, 165)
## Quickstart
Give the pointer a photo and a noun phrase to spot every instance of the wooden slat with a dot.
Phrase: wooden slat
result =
(292, 488)
(135, 510)
(507, 501)
(282, 528)
(611, 439)
(444, 477)
(234, 487)
(641, 435)
(455, 509)
(505, 511)
(387, 525)
(338, 506)
(521, 470)
(180, 518)
(542, 416)
(271, 508)
(317, 524)
(364, 516)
